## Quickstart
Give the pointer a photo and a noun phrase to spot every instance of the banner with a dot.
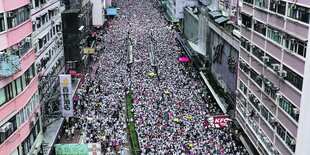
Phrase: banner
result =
(218, 121)
(78, 149)
(66, 95)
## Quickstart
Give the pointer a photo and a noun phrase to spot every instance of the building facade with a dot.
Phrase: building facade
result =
(20, 122)
(274, 40)
(47, 40)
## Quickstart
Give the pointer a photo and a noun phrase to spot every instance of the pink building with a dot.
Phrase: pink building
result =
(20, 124)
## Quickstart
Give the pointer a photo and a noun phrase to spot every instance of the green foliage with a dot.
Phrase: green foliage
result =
(135, 148)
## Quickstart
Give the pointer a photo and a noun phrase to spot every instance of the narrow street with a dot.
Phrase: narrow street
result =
(168, 95)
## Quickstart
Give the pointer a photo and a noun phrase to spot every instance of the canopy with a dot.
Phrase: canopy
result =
(184, 59)
(111, 11)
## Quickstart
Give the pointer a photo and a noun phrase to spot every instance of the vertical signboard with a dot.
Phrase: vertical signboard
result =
(66, 95)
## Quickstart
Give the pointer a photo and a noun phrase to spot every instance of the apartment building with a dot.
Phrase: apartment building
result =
(274, 40)
(20, 123)
(47, 41)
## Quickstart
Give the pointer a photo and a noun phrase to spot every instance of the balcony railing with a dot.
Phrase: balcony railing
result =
(9, 64)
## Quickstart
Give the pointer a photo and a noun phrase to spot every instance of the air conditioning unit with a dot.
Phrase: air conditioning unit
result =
(278, 96)
(276, 67)
(28, 39)
(52, 22)
(30, 5)
(250, 94)
(282, 73)
(295, 111)
(272, 119)
(237, 92)
(273, 149)
(59, 33)
(256, 100)
(265, 58)
(260, 105)
(254, 21)
(293, 142)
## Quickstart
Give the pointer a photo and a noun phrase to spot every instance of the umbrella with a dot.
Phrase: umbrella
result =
(73, 73)
(184, 59)
(151, 74)
(175, 120)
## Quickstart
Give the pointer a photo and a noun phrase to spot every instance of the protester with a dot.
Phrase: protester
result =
(170, 108)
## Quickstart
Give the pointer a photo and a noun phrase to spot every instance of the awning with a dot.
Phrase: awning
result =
(215, 14)
(218, 101)
(221, 20)
(111, 11)
(196, 48)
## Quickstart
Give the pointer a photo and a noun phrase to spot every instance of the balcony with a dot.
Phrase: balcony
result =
(8, 5)
(25, 62)
(9, 65)
(10, 144)
(20, 101)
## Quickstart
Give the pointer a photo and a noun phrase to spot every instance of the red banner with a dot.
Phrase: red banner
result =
(218, 121)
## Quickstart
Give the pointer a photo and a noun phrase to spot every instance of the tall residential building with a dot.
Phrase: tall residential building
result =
(20, 123)
(47, 39)
(274, 40)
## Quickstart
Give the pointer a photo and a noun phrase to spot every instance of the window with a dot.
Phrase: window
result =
(289, 108)
(2, 25)
(36, 3)
(256, 77)
(261, 3)
(290, 141)
(7, 129)
(277, 6)
(246, 20)
(274, 35)
(293, 78)
(246, 44)
(281, 131)
(271, 61)
(248, 1)
(295, 45)
(243, 88)
(3, 97)
(18, 16)
(258, 53)
(299, 13)
(260, 27)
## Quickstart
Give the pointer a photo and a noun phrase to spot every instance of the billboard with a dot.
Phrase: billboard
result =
(66, 95)
(217, 121)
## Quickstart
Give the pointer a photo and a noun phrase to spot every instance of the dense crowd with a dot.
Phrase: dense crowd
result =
(170, 108)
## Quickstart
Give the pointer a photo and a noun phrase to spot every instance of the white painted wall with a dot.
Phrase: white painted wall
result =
(180, 4)
(303, 135)
(98, 17)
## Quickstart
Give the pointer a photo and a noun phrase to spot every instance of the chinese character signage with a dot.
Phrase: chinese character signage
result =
(66, 95)
(78, 149)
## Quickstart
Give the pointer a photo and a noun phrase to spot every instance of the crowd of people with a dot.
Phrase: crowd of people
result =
(169, 108)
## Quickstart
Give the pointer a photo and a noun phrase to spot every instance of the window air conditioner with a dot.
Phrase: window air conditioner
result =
(265, 58)
(28, 39)
(282, 73)
(272, 119)
(276, 67)
(9, 14)
(293, 142)
(278, 95)
(295, 111)
(256, 100)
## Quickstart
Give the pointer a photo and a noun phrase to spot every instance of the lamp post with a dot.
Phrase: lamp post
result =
(129, 57)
